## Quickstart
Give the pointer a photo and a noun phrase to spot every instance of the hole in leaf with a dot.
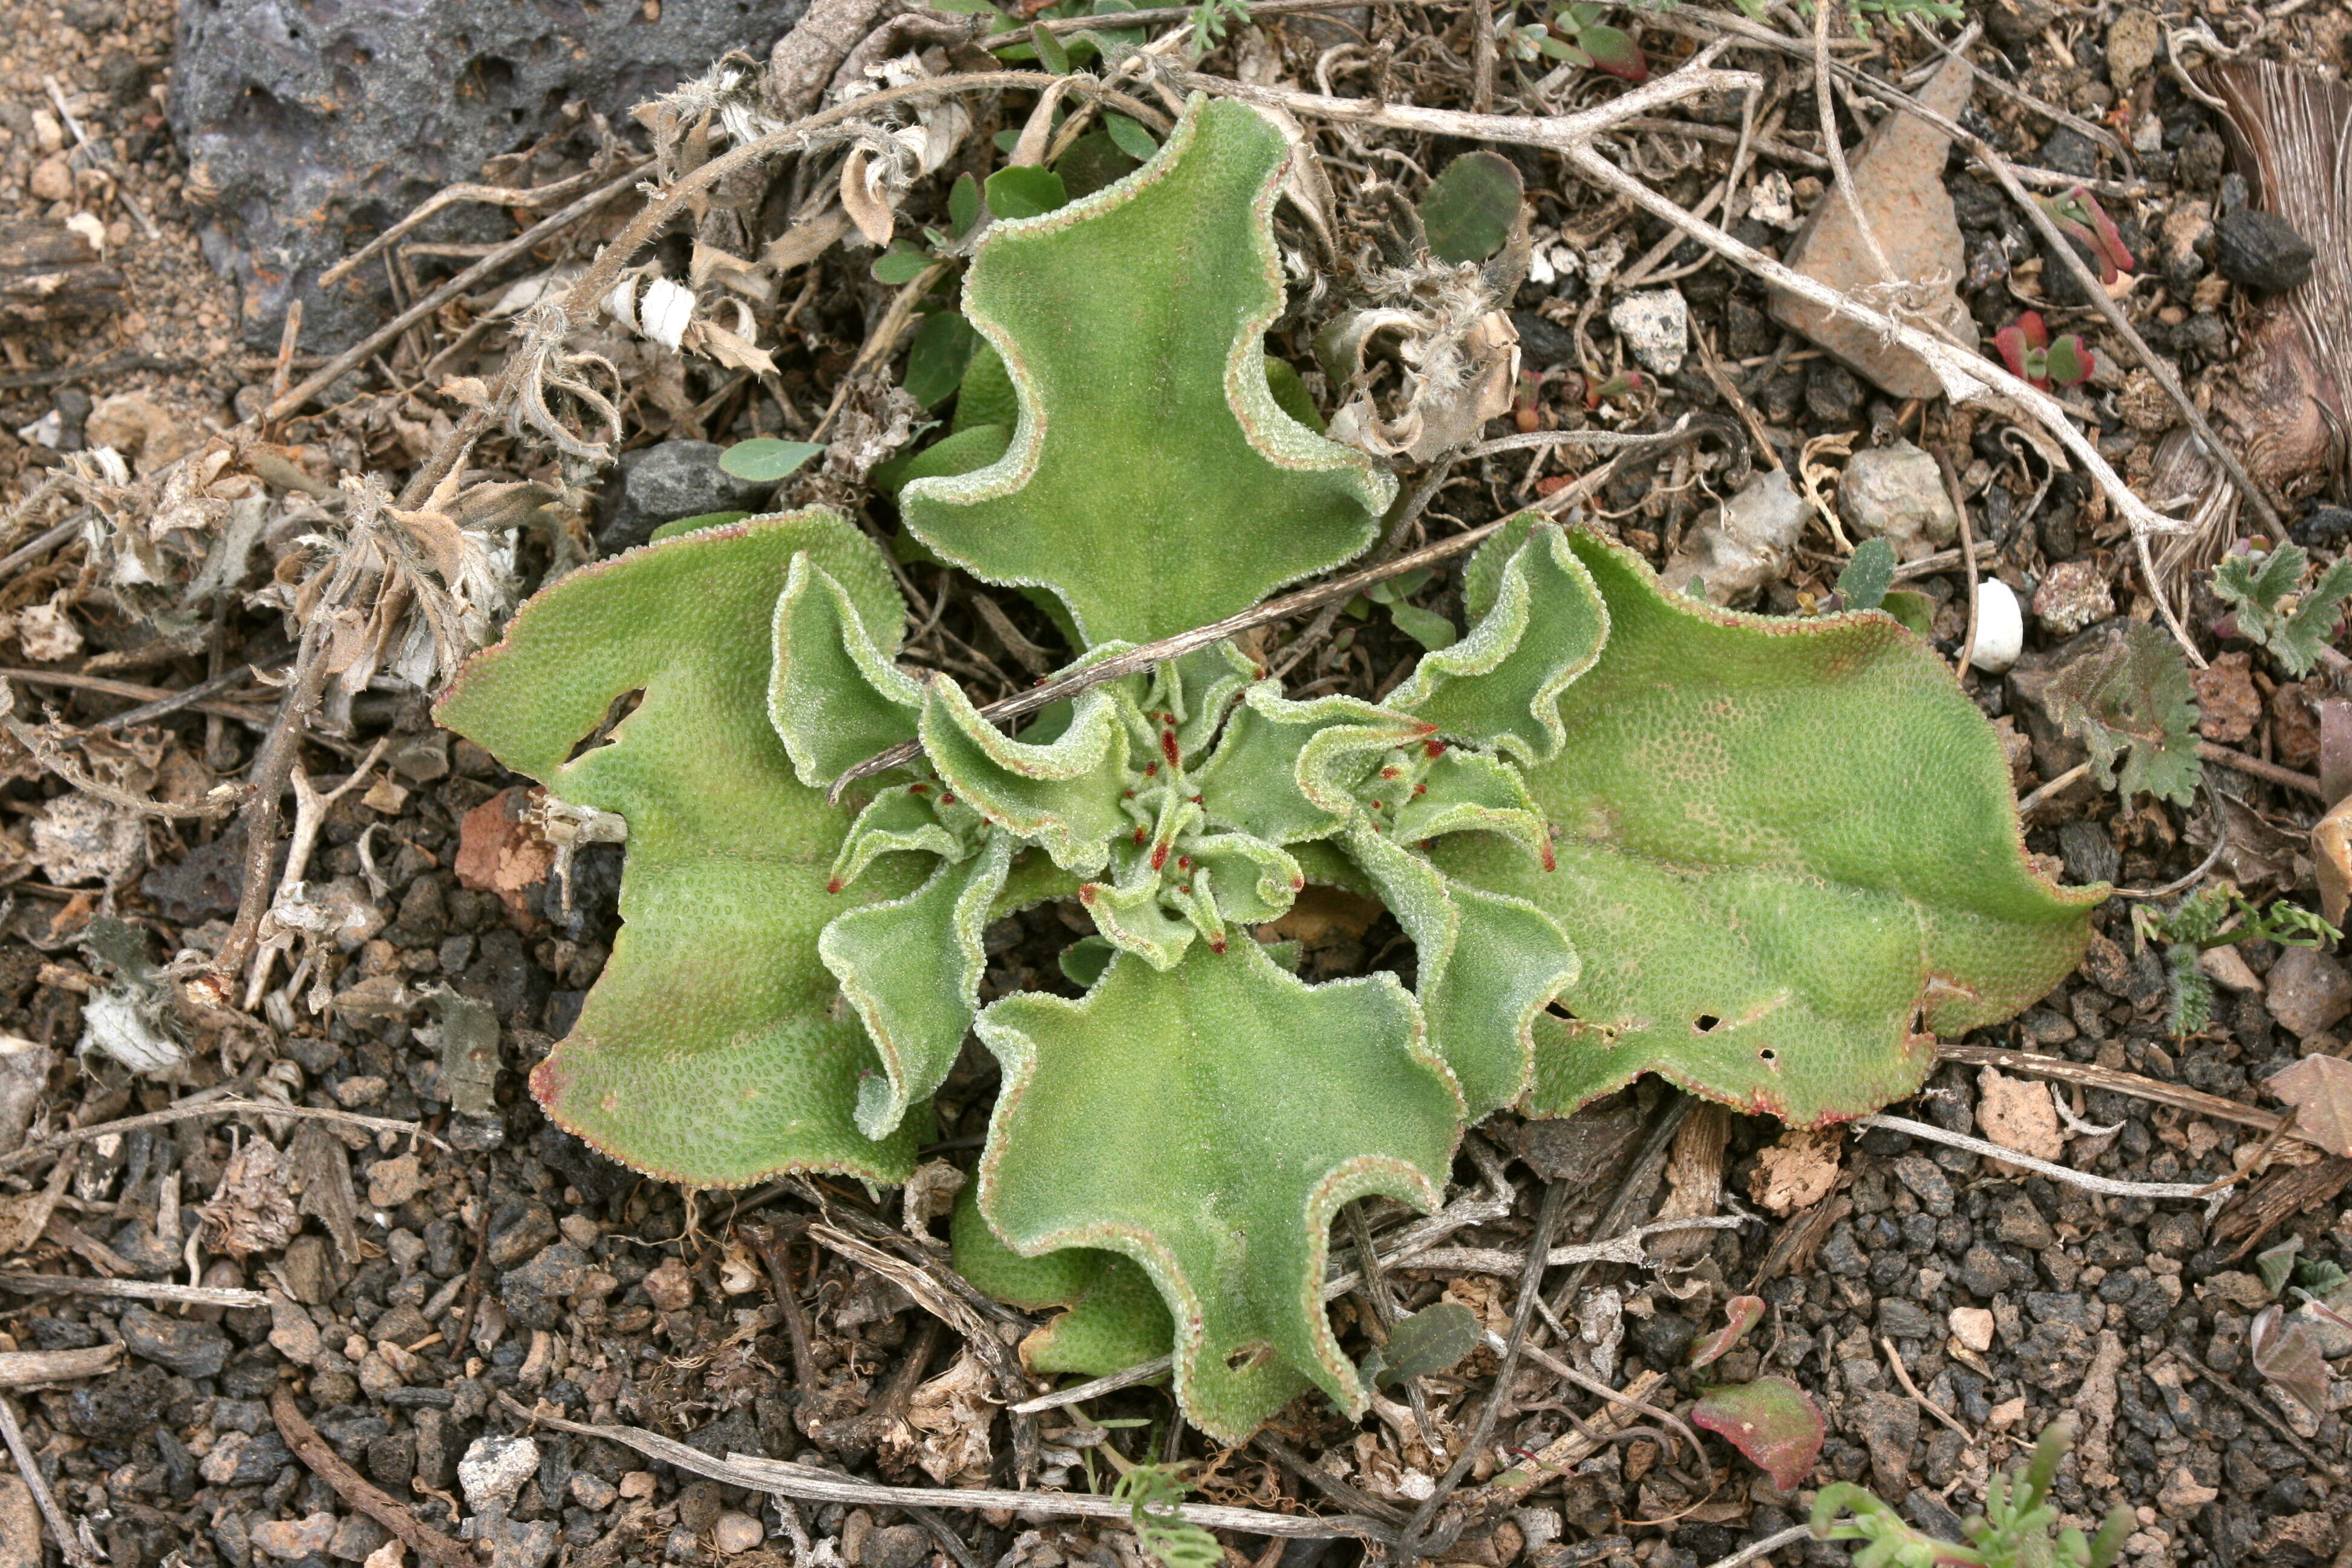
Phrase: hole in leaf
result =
(602, 735)
(1705, 1023)
(1768, 1054)
(1248, 1357)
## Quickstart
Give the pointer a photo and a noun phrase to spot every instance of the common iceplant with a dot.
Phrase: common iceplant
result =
(1625, 832)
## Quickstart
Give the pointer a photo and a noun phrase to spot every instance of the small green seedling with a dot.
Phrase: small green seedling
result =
(1868, 574)
(1575, 35)
(764, 459)
(2019, 1527)
(1468, 211)
(2025, 347)
(2133, 699)
(2079, 216)
(2271, 604)
(2218, 915)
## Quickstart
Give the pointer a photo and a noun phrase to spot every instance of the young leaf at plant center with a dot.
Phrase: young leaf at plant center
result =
(1468, 210)
(766, 459)
(1541, 626)
(1743, 1313)
(937, 358)
(1434, 1339)
(1113, 1318)
(2267, 594)
(2320, 1089)
(1868, 574)
(1024, 190)
(710, 1051)
(1230, 1216)
(2133, 699)
(1133, 313)
(1764, 913)
(1771, 1421)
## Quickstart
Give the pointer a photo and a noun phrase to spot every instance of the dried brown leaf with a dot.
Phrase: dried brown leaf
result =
(2320, 1089)
(251, 1211)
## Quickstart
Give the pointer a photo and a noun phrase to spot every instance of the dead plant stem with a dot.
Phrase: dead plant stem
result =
(1965, 375)
(29, 1470)
(1522, 1312)
(354, 1489)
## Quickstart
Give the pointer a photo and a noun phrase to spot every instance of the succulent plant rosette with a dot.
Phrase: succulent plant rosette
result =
(1625, 832)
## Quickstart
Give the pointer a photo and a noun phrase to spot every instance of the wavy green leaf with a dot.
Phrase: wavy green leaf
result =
(1541, 624)
(708, 1053)
(1246, 1107)
(1127, 315)
(1782, 846)
(911, 967)
(1114, 1318)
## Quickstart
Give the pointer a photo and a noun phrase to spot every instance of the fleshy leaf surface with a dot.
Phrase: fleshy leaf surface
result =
(833, 693)
(1780, 846)
(1771, 1421)
(911, 967)
(708, 1053)
(1126, 315)
(1541, 624)
(1246, 1108)
(1115, 1318)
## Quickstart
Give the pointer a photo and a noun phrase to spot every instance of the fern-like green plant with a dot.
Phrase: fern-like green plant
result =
(2019, 1527)
(1747, 854)
(2271, 605)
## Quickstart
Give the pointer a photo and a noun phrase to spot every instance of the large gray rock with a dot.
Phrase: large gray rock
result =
(310, 127)
(662, 483)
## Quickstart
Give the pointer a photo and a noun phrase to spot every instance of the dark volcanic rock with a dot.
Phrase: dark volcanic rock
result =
(306, 125)
(2262, 250)
(663, 483)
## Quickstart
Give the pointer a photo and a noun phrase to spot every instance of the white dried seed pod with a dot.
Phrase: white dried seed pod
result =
(621, 304)
(665, 311)
(2001, 627)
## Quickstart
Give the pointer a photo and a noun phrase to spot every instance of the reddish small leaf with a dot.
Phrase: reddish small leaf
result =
(2285, 1351)
(1745, 1312)
(1614, 51)
(2016, 346)
(1771, 1421)
(2320, 1089)
(2067, 361)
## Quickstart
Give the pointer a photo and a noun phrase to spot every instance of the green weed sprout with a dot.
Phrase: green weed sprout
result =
(2014, 1531)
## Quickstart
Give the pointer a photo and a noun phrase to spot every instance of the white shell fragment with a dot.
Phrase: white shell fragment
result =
(2001, 627)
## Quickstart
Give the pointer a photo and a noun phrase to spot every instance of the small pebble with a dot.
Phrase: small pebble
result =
(735, 1534)
(2001, 627)
(637, 1484)
(495, 1468)
(1655, 325)
(593, 1493)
